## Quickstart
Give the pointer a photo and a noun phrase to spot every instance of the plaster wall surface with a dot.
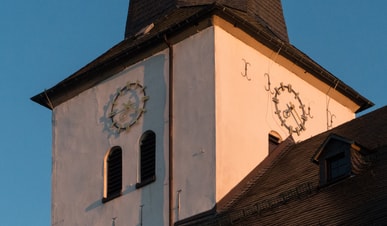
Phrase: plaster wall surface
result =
(245, 111)
(222, 115)
(194, 124)
(83, 134)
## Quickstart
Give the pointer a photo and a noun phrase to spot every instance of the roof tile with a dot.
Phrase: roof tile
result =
(289, 192)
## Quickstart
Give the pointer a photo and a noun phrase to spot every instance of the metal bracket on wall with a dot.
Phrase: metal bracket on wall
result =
(245, 74)
(308, 114)
(268, 87)
(330, 117)
(141, 214)
(178, 203)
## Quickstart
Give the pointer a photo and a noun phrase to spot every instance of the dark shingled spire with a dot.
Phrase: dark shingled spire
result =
(267, 12)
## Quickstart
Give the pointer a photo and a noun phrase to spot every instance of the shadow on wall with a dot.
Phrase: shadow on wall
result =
(153, 195)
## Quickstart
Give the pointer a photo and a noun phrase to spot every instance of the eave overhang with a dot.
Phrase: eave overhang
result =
(178, 20)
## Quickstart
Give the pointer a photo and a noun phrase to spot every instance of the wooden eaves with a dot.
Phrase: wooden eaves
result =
(178, 20)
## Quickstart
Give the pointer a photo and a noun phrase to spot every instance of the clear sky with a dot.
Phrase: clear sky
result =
(44, 41)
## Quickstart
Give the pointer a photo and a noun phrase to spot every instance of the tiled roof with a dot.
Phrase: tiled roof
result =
(144, 12)
(289, 191)
(136, 48)
(268, 12)
(246, 184)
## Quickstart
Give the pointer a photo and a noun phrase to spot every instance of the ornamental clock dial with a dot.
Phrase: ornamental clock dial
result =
(128, 106)
(289, 109)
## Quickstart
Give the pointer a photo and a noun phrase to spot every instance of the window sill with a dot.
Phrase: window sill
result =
(145, 182)
(111, 197)
(335, 181)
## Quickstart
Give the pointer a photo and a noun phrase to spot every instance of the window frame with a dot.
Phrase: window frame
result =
(274, 140)
(147, 148)
(335, 149)
(335, 173)
(112, 161)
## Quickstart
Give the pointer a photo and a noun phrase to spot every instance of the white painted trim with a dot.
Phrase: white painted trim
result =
(105, 173)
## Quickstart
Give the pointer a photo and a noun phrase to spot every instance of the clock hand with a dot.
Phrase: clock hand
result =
(286, 113)
(127, 107)
(298, 116)
(295, 115)
(301, 119)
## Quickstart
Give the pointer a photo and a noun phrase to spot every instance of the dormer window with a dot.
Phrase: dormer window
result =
(334, 159)
(337, 167)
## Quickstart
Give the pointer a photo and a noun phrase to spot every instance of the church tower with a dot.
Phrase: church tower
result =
(166, 123)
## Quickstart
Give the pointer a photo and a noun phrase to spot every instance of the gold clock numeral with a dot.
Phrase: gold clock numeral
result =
(290, 129)
(137, 84)
(127, 128)
(293, 116)
(141, 110)
(127, 106)
(282, 87)
(128, 84)
(290, 88)
(277, 92)
(116, 125)
(298, 131)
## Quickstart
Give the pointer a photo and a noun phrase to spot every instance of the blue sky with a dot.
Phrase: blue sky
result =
(44, 41)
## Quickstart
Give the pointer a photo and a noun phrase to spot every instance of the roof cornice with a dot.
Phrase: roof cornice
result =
(134, 49)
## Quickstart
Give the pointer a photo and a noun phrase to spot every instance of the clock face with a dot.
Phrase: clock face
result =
(128, 106)
(289, 109)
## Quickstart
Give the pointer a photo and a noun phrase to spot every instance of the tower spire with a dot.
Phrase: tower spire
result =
(267, 12)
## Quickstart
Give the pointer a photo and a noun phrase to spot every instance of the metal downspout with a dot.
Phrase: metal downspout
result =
(170, 119)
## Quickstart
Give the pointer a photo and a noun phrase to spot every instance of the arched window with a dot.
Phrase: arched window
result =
(147, 158)
(274, 140)
(112, 174)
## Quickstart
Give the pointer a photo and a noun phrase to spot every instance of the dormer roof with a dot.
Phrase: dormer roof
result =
(332, 142)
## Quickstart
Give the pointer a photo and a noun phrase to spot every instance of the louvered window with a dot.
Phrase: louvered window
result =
(113, 174)
(147, 159)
